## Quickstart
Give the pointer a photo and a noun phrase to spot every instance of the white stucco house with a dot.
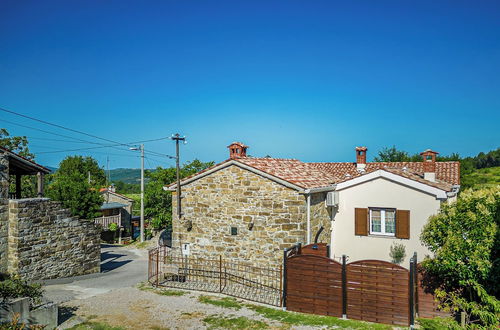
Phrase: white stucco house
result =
(251, 208)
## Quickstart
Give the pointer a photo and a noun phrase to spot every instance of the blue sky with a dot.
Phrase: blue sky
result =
(294, 79)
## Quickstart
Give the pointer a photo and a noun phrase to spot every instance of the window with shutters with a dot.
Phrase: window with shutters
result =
(383, 221)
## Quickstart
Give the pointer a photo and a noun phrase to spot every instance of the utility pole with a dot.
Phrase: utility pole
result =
(142, 192)
(177, 138)
(141, 148)
(108, 181)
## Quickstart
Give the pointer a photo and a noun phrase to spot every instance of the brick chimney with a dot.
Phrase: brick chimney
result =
(237, 150)
(429, 159)
(361, 158)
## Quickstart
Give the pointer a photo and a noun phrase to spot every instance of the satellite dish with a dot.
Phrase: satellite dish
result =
(165, 238)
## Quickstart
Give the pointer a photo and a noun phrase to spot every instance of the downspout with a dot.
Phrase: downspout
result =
(308, 218)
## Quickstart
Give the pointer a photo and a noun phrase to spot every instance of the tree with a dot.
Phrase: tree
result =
(71, 186)
(392, 155)
(465, 240)
(17, 144)
(158, 202)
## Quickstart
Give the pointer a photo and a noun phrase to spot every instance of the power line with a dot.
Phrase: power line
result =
(104, 146)
(61, 127)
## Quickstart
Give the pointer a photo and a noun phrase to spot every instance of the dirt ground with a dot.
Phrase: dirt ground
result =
(133, 308)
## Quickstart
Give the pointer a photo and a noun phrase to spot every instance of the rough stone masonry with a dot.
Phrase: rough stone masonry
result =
(41, 240)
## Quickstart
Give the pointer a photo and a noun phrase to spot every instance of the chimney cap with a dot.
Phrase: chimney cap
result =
(361, 148)
(429, 151)
(240, 144)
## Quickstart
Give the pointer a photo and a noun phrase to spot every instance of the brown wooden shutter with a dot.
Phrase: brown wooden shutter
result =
(361, 222)
(403, 224)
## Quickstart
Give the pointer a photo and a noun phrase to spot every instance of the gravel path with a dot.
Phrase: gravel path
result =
(132, 308)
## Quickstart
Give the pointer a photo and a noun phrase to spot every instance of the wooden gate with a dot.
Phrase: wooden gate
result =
(369, 290)
(314, 285)
(378, 291)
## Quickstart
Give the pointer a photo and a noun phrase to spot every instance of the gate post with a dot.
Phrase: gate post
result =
(220, 273)
(412, 292)
(416, 283)
(283, 299)
(344, 287)
(157, 265)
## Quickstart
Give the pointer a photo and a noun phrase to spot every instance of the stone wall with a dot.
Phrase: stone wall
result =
(320, 216)
(46, 242)
(4, 226)
(268, 217)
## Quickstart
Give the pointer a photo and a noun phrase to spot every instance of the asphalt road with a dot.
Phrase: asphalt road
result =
(120, 267)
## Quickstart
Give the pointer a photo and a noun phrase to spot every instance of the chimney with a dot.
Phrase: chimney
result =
(361, 158)
(237, 150)
(429, 159)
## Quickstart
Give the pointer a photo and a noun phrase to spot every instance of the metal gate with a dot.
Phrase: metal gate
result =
(238, 279)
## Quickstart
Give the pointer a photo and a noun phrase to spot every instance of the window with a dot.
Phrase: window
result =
(383, 221)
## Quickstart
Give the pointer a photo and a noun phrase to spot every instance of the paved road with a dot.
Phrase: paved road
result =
(120, 267)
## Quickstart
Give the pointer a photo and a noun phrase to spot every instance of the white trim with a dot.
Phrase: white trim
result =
(241, 165)
(439, 193)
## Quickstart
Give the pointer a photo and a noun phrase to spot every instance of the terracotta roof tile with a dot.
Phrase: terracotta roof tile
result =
(315, 175)
(291, 170)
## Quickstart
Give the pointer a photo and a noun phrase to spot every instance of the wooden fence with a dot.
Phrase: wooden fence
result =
(368, 290)
(238, 279)
(106, 221)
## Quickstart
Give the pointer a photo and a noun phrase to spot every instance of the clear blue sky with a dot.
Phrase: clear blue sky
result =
(296, 79)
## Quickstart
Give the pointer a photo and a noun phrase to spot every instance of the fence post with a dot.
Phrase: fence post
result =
(283, 303)
(344, 287)
(412, 293)
(416, 283)
(157, 265)
(299, 248)
(220, 273)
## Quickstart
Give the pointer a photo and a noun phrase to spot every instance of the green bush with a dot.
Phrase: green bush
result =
(438, 323)
(113, 227)
(397, 253)
(13, 288)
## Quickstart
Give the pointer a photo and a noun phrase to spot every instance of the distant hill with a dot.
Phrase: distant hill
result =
(127, 175)
(481, 178)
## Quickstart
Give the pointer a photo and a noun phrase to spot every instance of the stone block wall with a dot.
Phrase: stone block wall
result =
(320, 216)
(46, 242)
(4, 221)
(268, 217)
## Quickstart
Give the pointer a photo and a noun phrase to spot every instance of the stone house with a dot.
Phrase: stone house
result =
(116, 208)
(247, 208)
(38, 238)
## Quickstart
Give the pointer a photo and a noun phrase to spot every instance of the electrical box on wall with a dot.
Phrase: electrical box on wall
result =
(185, 249)
(332, 199)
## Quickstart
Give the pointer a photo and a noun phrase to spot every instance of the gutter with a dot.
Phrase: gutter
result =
(308, 212)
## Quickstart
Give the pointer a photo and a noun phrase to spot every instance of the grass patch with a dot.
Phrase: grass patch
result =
(222, 322)
(95, 326)
(293, 318)
(225, 302)
(438, 323)
(144, 286)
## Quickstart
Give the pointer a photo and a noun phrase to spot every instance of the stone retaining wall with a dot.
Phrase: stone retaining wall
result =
(45, 242)
(4, 227)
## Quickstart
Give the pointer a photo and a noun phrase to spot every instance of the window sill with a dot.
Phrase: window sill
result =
(382, 235)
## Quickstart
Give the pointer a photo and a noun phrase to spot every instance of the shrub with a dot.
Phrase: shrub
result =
(13, 288)
(397, 253)
(465, 269)
(113, 227)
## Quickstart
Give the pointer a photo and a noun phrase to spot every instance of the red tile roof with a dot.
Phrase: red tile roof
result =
(316, 175)
(291, 170)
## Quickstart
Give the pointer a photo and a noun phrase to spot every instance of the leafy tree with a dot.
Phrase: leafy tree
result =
(158, 202)
(465, 269)
(392, 155)
(19, 145)
(127, 188)
(71, 186)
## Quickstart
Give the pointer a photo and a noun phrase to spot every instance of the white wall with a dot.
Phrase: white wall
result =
(380, 192)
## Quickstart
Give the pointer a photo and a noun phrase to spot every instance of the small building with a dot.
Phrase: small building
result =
(38, 238)
(250, 209)
(116, 208)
